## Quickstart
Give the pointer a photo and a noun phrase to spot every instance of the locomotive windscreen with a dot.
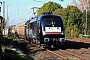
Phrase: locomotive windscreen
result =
(52, 24)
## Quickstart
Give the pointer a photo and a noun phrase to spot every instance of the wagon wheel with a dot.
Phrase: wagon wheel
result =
(30, 40)
(38, 43)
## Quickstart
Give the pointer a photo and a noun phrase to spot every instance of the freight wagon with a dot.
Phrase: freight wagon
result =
(21, 29)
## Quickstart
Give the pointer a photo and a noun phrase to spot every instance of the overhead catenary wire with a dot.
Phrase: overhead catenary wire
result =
(24, 17)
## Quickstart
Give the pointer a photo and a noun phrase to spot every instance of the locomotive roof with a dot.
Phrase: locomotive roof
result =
(32, 20)
(39, 18)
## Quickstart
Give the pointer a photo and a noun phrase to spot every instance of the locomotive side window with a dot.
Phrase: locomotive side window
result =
(35, 27)
(32, 27)
(38, 26)
(38, 22)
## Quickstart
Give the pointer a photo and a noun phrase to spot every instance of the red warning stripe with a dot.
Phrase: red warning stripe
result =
(53, 32)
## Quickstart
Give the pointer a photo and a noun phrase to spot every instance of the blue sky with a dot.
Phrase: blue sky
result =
(20, 10)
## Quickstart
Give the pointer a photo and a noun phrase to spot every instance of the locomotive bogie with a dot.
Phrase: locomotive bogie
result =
(62, 40)
(53, 42)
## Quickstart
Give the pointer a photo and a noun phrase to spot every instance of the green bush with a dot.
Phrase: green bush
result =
(10, 51)
(7, 39)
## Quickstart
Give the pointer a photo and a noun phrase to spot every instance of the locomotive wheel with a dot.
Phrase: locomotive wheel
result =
(37, 42)
(30, 41)
(26, 38)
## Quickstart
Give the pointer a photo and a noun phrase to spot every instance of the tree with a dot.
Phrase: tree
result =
(82, 4)
(48, 7)
(88, 23)
(84, 22)
(72, 18)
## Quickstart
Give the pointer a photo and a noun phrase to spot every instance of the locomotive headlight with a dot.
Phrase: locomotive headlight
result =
(62, 33)
(25, 25)
(62, 39)
(46, 39)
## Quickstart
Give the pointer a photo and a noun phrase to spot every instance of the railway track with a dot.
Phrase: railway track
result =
(74, 56)
(78, 40)
(65, 55)
(80, 49)
(68, 54)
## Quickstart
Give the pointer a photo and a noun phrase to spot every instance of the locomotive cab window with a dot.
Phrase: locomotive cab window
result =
(52, 21)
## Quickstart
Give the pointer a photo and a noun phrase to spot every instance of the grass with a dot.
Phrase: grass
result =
(10, 54)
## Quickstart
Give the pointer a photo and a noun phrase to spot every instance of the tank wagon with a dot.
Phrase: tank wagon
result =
(46, 30)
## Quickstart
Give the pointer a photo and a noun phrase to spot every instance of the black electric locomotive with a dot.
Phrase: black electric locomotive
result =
(46, 30)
